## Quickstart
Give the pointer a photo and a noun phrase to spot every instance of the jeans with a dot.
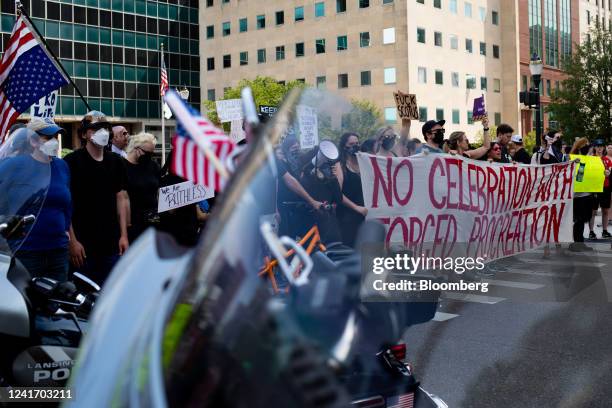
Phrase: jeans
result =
(51, 263)
(98, 267)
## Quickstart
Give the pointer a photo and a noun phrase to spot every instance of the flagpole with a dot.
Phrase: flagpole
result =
(21, 11)
(163, 118)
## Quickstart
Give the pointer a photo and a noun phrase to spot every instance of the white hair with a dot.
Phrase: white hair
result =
(139, 140)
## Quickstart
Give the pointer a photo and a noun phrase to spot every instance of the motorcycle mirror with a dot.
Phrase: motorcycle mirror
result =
(84, 279)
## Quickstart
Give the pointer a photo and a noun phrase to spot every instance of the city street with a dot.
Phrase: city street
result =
(541, 336)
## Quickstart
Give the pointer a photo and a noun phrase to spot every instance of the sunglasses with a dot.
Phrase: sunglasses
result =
(497, 149)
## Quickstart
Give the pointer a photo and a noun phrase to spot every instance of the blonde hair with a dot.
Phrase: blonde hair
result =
(455, 139)
(139, 140)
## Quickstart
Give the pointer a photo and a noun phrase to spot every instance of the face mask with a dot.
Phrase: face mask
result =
(388, 143)
(353, 150)
(50, 147)
(438, 137)
(100, 137)
(145, 157)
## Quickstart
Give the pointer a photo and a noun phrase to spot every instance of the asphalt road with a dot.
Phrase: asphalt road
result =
(541, 336)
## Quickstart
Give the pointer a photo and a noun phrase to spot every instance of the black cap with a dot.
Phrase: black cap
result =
(430, 124)
(598, 142)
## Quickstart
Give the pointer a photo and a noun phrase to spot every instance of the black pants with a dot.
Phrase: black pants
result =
(582, 214)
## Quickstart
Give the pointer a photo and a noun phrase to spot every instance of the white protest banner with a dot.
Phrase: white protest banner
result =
(309, 126)
(182, 194)
(45, 107)
(236, 131)
(450, 204)
(229, 110)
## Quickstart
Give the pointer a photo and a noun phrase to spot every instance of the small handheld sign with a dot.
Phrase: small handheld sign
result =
(406, 105)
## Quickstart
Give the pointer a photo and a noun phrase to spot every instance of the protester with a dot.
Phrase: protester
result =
(504, 133)
(511, 147)
(98, 235)
(552, 149)
(459, 144)
(602, 200)
(44, 252)
(386, 138)
(583, 203)
(433, 132)
(119, 141)
(143, 175)
(352, 212)
(520, 155)
(494, 155)
(369, 146)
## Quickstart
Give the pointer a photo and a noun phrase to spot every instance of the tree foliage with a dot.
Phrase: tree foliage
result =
(583, 105)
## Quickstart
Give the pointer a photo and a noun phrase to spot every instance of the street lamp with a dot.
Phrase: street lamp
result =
(536, 67)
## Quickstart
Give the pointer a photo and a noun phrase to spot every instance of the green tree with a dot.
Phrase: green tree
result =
(364, 118)
(583, 105)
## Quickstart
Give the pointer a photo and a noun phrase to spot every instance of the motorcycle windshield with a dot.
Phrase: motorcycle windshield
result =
(25, 174)
(234, 322)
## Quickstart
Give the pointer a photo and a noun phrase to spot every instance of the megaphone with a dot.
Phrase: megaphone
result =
(328, 152)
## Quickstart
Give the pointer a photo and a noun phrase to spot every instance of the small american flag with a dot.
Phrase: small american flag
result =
(163, 87)
(188, 159)
(401, 401)
(27, 73)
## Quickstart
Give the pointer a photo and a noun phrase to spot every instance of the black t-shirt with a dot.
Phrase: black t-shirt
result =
(505, 156)
(521, 156)
(142, 187)
(94, 186)
(285, 194)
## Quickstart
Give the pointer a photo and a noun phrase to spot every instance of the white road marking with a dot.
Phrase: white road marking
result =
(442, 317)
(490, 300)
(512, 284)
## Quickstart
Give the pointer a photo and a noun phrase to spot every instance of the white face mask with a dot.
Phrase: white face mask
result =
(100, 137)
(50, 147)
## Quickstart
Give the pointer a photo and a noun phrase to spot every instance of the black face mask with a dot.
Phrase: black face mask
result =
(438, 137)
(557, 144)
(293, 160)
(585, 150)
(144, 158)
(352, 150)
(388, 143)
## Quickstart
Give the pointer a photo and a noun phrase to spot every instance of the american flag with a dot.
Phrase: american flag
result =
(27, 73)
(188, 159)
(163, 87)
(401, 401)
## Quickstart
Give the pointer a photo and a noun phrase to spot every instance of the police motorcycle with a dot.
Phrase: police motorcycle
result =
(235, 322)
(41, 320)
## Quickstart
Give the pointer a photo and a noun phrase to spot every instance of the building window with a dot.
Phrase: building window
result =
(551, 39)
(342, 43)
(364, 3)
(226, 28)
(470, 81)
(439, 77)
(321, 82)
(244, 25)
(548, 87)
(497, 85)
(497, 120)
(439, 114)
(496, 51)
(468, 45)
(210, 95)
(340, 6)
(261, 56)
(389, 75)
(420, 1)
(210, 64)
(320, 9)
(456, 117)
(422, 75)
(483, 49)
(421, 35)
(535, 27)
(209, 3)
(470, 120)
(210, 31)
(422, 114)
(455, 79)
(467, 10)
(565, 20)
(299, 13)
(280, 53)
(389, 35)
(280, 17)
(437, 4)
(366, 78)
(454, 42)
(261, 21)
(437, 39)
(391, 115)
(227, 61)
(387, 1)
(364, 39)
(452, 5)
(494, 17)
(320, 46)
(524, 82)
(244, 58)
(483, 83)
(342, 81)
(299, 49)
(483, 14)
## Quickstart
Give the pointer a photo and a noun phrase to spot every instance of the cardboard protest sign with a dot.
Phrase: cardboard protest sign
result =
(182, 194)
(480, 209)
(309, 127)
(45, 107)
(406, 105)
(589, 174)
(229, 109)
(479, 111)
(236, 131)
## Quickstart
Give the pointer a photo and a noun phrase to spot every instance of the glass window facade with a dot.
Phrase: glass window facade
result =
(550, 30)
(535, 27)
(566, 28)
